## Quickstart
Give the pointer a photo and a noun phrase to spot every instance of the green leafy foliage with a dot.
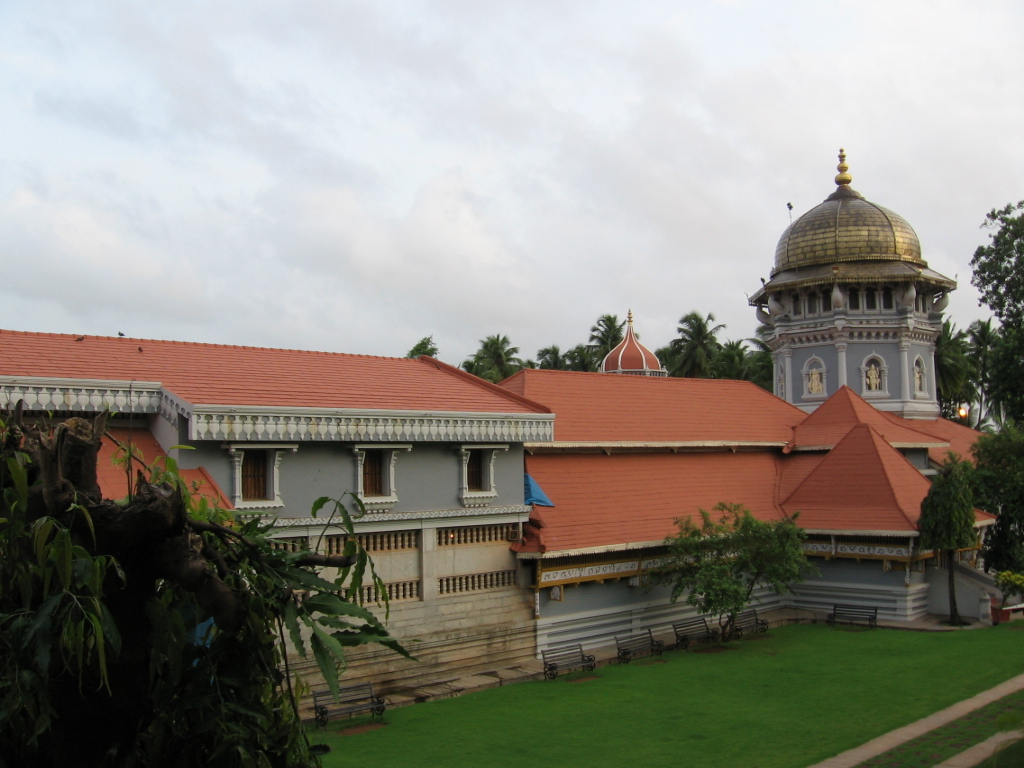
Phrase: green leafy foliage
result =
(947, 517)
(100, 664)
(998, 486)
(719, 562)
(424, 346)
(999, 277)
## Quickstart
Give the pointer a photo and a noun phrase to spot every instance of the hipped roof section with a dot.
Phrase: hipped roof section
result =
(216, 374)
(604, 408)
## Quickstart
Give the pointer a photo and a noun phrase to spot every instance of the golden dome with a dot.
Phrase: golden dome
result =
(846, 227)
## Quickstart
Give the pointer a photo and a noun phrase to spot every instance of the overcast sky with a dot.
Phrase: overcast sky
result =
(352, 176)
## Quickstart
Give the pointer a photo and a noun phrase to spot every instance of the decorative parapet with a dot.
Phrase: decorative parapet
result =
(424, 516)
(81, 395)
(838, 549)
(344, 425)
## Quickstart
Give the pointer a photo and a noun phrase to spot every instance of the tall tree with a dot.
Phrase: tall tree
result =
(731, 361)
(984, 340)
(496, 359)
(947, 519)
(761, 366)
(954, 369)
(424, 346)
(719, 562)
(999, 490)
(999, 276)
(692, 352)
(551, 358)
(605, 334)
(582, 358)
(999, 266)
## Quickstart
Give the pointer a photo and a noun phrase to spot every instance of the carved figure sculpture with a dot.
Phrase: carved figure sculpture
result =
(874, 378)
(814, 383)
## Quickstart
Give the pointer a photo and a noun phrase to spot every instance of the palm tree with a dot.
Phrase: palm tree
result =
(983, 340)
(605, 334)
(731, 361)
(954, 370)
(696, 346)
(551, 358)
(581, 358)
(760, 365)
(495, 360)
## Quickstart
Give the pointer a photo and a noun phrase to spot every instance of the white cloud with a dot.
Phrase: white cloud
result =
(354, 176)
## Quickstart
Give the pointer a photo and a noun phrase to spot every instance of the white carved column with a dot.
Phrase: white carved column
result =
(841, 351)
(905, 374)
(790, 384)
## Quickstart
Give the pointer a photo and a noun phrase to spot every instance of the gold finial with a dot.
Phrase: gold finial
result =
(843, 179)
(629, 318)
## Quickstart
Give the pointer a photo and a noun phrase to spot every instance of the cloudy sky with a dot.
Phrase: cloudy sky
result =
(352, 176)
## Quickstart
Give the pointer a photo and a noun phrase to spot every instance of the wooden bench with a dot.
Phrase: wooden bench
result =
(351, 700)
(694, 630)
(746, 623)
(638, 645)
(566, 658)
(853, 614)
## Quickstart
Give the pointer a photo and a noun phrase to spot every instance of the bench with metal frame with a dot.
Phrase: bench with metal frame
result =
(565, 659)
(853, 614)
(350, 701)
(695, 629)
(643, 644)
(746, 623)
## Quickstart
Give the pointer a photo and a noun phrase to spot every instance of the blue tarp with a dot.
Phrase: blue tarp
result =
(535, 494)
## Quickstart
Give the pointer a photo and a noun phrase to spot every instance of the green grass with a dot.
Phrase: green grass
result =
(932, 748)
(793, 698)
(1011, 756)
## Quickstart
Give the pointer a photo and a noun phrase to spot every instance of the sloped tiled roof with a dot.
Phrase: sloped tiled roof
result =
(863, 484)
(602, 500)
(833, 419)
(608, 408)
(113, 480)
(960, 438)
(214, 374)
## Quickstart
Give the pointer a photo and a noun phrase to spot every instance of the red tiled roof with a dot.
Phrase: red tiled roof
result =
(834, 418)
(862, 484)
(960, 438)
(606, 408)
(114, 482)
(213, 374)
(603, 501)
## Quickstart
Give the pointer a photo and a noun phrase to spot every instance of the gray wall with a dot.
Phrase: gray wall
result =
(426, 478)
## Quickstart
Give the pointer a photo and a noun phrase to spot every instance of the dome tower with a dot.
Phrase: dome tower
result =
(852, 302)
(632, 357)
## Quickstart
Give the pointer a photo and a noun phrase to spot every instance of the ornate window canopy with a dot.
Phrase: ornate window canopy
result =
(477, 475)
(375, 474)
(256, 474)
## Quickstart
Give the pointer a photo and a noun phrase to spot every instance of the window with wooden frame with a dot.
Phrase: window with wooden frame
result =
(475, 473)
(256, 473)
(375, 475)
(477, 482)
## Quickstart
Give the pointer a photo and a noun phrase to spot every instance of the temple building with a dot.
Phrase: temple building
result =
(507, 519)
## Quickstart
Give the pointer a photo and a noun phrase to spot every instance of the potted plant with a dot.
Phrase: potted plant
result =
(1009, 583)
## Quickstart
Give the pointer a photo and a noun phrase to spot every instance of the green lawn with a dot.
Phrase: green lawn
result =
(797, 696)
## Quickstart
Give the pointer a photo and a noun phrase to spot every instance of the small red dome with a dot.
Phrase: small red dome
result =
(632, 357)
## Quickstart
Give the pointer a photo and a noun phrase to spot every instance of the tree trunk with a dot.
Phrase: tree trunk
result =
(954, 614)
